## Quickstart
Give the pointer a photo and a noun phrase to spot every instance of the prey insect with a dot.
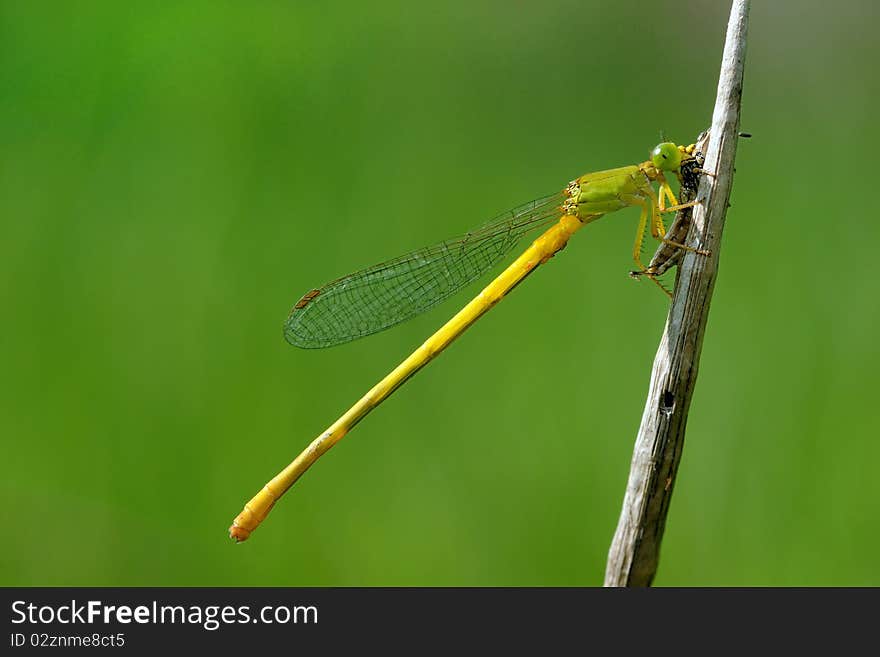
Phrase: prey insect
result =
(386, 294)
(670, 251)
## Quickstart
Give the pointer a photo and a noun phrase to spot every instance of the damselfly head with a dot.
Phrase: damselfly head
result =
(666, 156)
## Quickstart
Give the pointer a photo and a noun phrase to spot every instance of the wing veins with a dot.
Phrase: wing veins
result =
(378, 297)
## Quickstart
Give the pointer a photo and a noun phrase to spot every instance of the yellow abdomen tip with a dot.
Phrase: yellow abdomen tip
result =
(238, 534)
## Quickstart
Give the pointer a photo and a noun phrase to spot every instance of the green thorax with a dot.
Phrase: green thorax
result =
(601, 192)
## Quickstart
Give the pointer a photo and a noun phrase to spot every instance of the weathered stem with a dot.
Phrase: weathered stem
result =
(635, 550)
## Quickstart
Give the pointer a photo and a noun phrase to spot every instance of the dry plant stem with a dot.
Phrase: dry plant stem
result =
(635, 549)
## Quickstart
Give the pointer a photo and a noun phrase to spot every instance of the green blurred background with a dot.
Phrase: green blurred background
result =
(174, 176)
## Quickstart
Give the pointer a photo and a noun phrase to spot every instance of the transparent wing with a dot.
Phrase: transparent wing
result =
(386, 294)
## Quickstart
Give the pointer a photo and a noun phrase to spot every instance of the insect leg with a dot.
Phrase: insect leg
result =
(648, 208)
(685, 247)
(640, 233)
